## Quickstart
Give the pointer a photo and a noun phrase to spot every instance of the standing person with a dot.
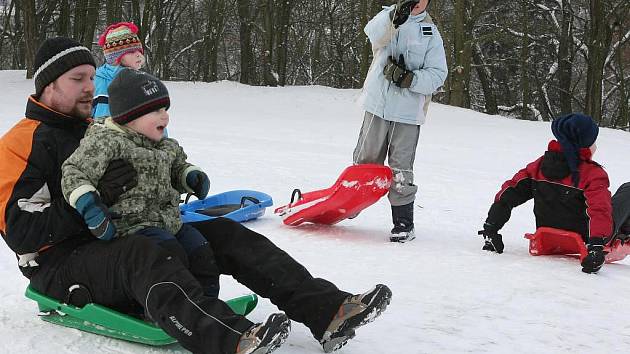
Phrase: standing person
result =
(56, 250)
(122, 49)
(570, 191)
(409, 65)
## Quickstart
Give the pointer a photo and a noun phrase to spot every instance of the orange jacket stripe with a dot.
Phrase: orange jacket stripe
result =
(15, 149)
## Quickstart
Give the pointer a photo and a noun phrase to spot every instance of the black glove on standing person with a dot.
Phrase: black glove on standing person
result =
(402, 11)
(493, 240)
(396, 72)
(119, 177)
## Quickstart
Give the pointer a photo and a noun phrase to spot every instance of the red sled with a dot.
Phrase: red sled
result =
(357, 188)
(550, 241)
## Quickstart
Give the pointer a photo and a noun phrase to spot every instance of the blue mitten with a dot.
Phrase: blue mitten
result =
(96, 216)
(199, 183)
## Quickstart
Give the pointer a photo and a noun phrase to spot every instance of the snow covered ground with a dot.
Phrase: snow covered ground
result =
(449, 296)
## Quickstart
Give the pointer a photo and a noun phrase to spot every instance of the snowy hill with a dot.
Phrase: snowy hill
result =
(449, 296)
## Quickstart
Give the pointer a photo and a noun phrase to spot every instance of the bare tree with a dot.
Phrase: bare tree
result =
(246, 18)
(31, 38)
(530, 59)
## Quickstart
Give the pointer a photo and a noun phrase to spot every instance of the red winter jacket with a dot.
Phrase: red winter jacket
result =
(585, 209)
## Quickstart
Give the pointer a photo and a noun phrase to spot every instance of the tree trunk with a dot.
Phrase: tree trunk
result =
(78, 30)
(524, 61)
(599, 38)
(157, 40)
(364, 43)
(18, 57)
(245, 34)
(269, 75)
(136, 17)
(462, 52)
(486, 82)
(215, 22)
(30, 35)
(91, 20)
(114, 10)
(624, 101)
(63, 22)
(282, 39)
(565, 67)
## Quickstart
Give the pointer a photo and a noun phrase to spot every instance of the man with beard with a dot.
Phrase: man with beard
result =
(59, 254)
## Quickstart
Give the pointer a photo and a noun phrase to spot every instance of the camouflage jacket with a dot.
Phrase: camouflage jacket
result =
(161, 167)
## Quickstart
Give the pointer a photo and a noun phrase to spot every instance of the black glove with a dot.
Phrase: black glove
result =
(595, 257)
(119, 177)
(402, 11)
(493, 241)
(396, 72)
(199, 183)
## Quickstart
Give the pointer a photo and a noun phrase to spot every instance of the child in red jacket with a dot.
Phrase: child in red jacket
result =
(570, 191)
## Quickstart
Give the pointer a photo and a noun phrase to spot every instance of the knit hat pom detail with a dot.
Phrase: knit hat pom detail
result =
(119, 40)
(103, 38)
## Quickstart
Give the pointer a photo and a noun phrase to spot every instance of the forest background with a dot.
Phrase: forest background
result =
(523, 59)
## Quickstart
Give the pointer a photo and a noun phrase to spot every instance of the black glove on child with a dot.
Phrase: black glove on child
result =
(119, 177)
(199, 183)
(396, 72)
(596, 256)
(493, 240)
(402, 11)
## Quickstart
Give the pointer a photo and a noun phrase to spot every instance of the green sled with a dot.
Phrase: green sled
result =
(101, 320)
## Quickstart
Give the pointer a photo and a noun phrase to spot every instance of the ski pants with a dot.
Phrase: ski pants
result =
(134, 270)
(380, 138)
(621, 209)
(193, 250)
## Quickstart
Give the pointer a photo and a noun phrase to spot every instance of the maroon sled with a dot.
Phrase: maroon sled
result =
(357, 188)
(550, 241)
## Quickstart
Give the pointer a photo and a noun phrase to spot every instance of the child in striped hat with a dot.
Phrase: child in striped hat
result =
(121, 48)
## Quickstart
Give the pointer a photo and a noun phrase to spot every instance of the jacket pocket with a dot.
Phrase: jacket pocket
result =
(416, 50)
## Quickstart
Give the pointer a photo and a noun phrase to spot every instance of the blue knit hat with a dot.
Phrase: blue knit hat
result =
(574, 131)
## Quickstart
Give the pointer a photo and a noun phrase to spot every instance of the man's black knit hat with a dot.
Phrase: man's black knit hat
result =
(56, 56)
(134, 93)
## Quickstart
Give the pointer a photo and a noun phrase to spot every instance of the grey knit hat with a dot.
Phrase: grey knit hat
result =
(134, 93)
(56, 56)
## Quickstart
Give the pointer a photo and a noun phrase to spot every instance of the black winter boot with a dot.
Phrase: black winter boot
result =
(403, 230)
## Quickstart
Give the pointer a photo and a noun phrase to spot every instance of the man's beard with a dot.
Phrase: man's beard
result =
(75, 111)
(78, 113)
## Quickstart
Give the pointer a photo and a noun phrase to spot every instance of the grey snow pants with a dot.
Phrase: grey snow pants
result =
(380, 138)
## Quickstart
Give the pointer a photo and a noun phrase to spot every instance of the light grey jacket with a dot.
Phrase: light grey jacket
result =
(420, 43)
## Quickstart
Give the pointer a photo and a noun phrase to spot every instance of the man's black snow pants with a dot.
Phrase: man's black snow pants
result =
(133, 271)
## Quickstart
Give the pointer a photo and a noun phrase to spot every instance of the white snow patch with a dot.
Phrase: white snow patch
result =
(454, 298)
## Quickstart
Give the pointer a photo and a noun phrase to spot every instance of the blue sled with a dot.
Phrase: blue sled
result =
(239, 205)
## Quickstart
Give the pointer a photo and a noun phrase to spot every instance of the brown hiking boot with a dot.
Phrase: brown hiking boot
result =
(265, 337)
(354, 312)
